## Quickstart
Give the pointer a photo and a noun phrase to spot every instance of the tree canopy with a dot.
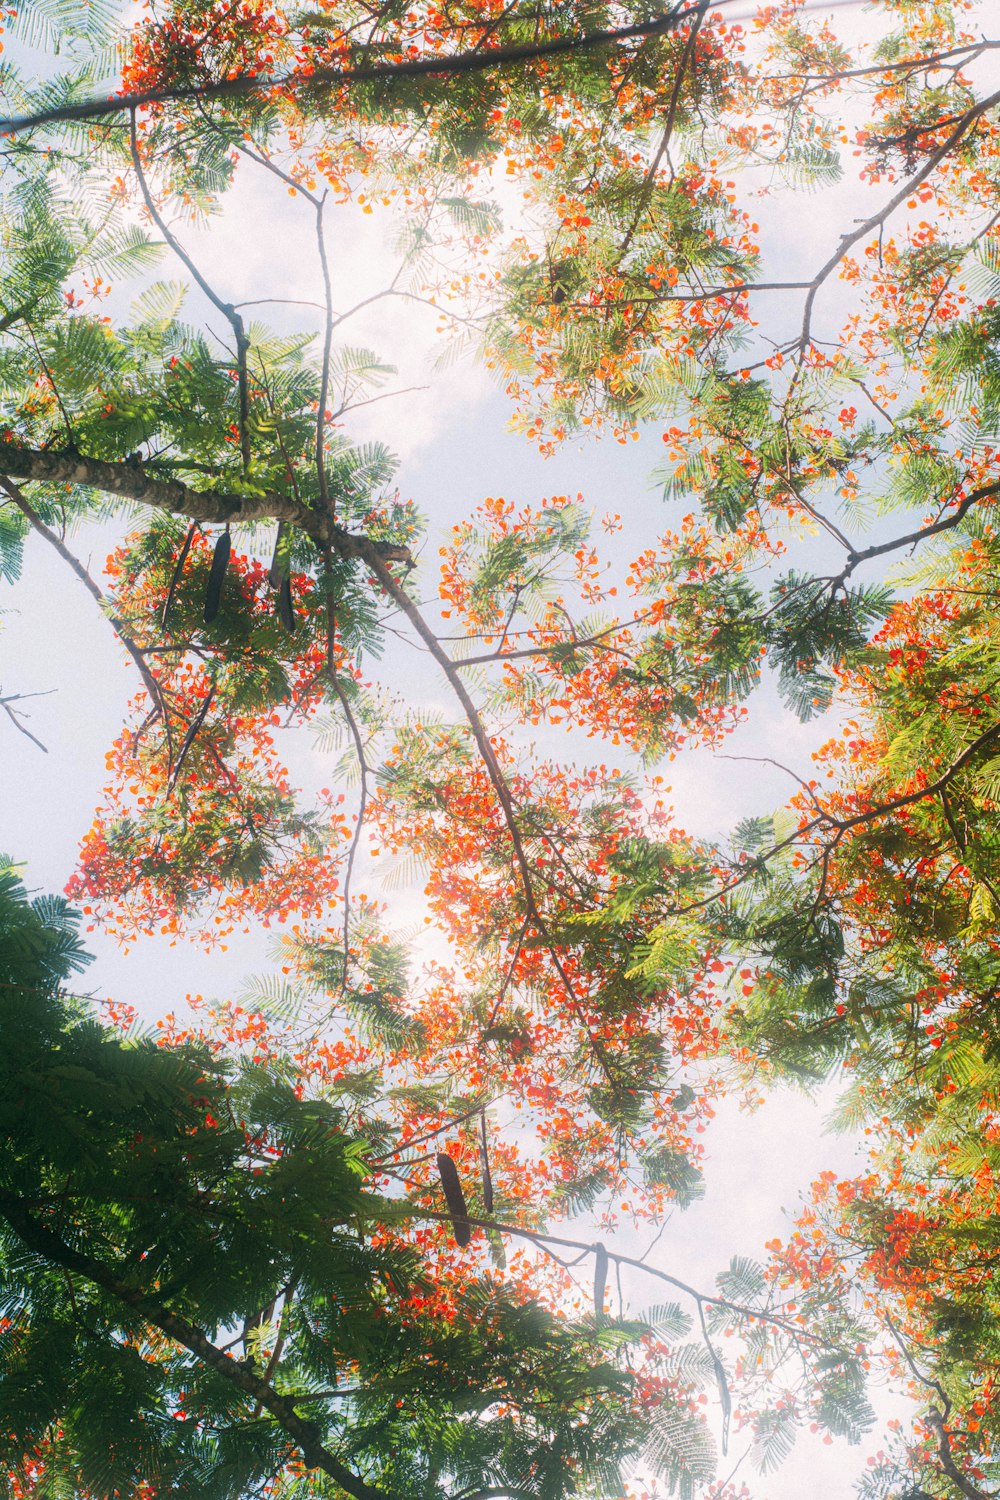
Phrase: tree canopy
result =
(311, 1244)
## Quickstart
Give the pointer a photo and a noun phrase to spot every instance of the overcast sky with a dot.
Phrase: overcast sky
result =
(454, 450)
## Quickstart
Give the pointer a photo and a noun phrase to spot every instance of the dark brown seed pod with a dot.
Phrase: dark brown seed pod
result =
(178, 570)
(279, 560)
(286, 612)
(600, 1282)
(455, 1199)
(217, 576)
(484, 1157)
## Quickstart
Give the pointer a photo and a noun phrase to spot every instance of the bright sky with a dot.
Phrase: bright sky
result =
(455, 450)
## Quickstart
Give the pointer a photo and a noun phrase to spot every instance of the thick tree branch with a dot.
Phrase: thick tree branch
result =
(131, 481)
(242, 1374)
(947, 522)
(473, 61)
(948, 1464)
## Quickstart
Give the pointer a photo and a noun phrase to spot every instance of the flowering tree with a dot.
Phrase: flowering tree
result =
(607, 976)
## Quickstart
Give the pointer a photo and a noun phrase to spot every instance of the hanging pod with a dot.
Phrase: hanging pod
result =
(279, 578)
(600, 1282)
(279, 559)
(286, 610)
(217, 576)
(484, 1158)
(178, 570)
(455, 1199)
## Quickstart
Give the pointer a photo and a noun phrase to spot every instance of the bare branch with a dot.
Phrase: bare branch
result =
(122, 632)
(878, 219)
(15, 716)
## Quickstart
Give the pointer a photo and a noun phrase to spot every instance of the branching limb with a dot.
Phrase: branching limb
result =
(123, 634)
(438, 1130)
(473, 61)
(134, 482)
(649, 182)
(228, 311)
(15, 715)
(494, 770)
(877, 220)
(240, 1374)
(703, 1299)
(912, 538)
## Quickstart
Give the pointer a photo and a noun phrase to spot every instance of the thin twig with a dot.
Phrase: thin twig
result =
(229, 312)
(124, 635)
(649, 182)
(494, 770)
(877, 220)
(14, 715)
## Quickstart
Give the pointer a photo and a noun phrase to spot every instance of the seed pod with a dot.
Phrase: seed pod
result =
(286, 613)
(279, 560)
(217, 576)
(498, 1254)
(178, 570)
(600, 1282)
(484, 1158)
(455, 1199)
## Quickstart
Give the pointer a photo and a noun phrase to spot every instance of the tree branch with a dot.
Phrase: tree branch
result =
(132, 481)
(948, 1464)
(422, 67)
(494, 770)
(984, 492)
(31, 514)
(878, 219)
(228, 311)
(14, 716)
(703, 1299)
(242, 1374)
(649, 182)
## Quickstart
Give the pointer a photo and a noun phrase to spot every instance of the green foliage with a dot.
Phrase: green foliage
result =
(154, 1201)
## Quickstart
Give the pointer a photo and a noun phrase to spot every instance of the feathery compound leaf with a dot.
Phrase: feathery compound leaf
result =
(774, 1438)
(680, 1447)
